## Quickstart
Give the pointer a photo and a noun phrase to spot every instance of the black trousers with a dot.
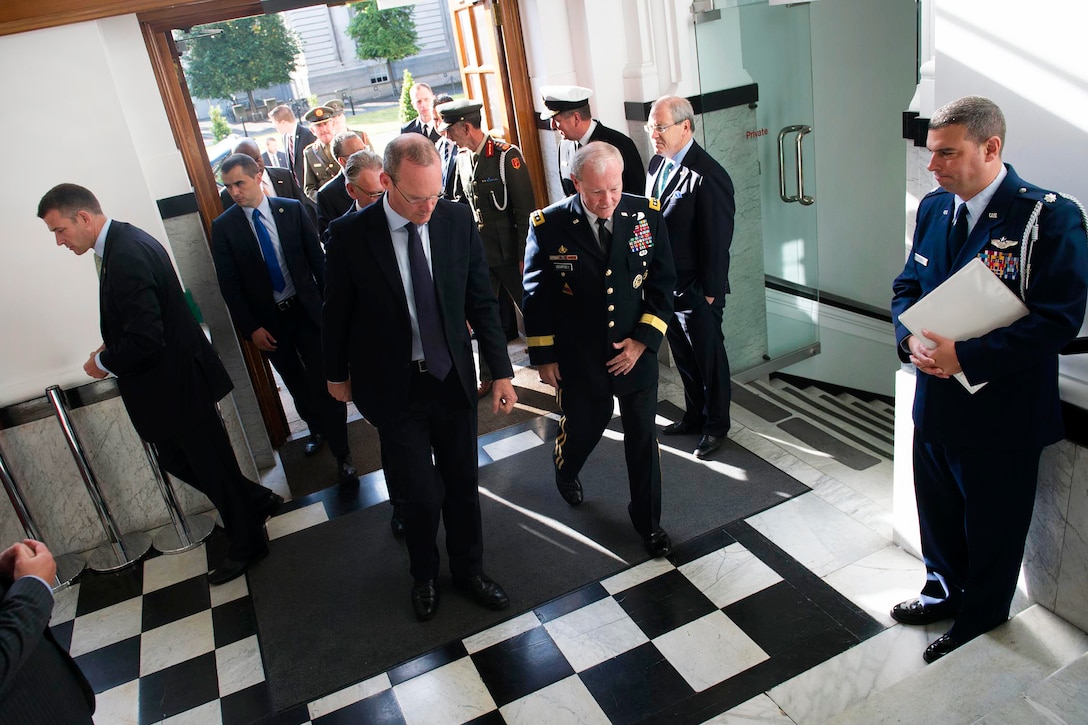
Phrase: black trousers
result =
(974, 510)
(698, 347)
(505, 282)
(429, 451)
(202, 457)
(586, 413)
(297, 359)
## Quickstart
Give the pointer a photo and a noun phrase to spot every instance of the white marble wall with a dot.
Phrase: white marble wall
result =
(723, 135)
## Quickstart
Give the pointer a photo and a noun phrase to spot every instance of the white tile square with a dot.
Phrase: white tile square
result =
(107, 626)
(234, 589)
(162, 571)
(709, 650)
(296, 520)
(207, 714)
(879, 581)
(176, 642)
(729, 575)
(643, 572)
(566, 701)
(501, 632)
(453, 693)
(64, 605)
(514, 444)
(760, 709)
(239, 665)
(348, 696)
(118, 706)
(595, 633)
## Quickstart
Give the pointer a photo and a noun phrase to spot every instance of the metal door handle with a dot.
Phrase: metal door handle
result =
(805, 200)
(800, 196)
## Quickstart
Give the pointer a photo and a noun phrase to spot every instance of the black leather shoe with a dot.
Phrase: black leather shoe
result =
(425, 599)
(707, 445)
(270, 506)
(233, 568)
(915, 611)
(681, 427)
(939, 648)
(658, 544)
(486, 592)
(396, 523)
(345, 470)
(313, 445)
(571, 491)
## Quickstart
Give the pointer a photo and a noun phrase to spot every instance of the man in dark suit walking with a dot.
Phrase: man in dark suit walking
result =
(598, 297)
(696, 196)
(169, 375)
(296, 138)
(569, 114)
(271, 272)
(274, 181)
(39, 683)
(425, 122)
(406, 273)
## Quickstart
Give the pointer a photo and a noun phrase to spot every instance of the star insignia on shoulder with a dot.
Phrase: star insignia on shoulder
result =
(655, 203)
(1050, 198)
(537, 218)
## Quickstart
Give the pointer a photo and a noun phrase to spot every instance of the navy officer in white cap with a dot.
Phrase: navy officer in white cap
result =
(568, 110)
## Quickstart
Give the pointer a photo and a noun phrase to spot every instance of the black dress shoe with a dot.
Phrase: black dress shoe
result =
(396, 523)
(681, 427)
(313, 445)
(658, 544)
(233, 568)
(345, 470)
(571, 491)
(707, 445)
(486, 592)
(425, 599)
(270, 506)
(939, 648)
(915, 611)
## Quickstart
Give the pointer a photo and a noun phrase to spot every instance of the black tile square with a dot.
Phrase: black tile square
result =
(380, 709)
(697, 548)
(233, 621)
(179, 688)
(664, 603)
(635, 684)
(112, 665)
(425, 663)
(568, 603)
(98, 591)
(343, 500)
(253, 705)
(520, 665)
(779, 618)
(491, 718)
(175, 602)
(63, 633)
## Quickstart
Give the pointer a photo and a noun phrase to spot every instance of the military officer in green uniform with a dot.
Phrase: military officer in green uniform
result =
(492, 179)
(318, 160)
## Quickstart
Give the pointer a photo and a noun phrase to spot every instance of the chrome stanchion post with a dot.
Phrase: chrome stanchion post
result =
(120, 550)
(69, 566)
(184, 532)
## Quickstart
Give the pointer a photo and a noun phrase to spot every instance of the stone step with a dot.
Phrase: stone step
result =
(1060, 698)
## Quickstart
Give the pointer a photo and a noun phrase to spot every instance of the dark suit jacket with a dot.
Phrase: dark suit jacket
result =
(167, 371)
(332, 201)
(633, 170)
(698, 207)
(1019, 407)
(279, 162)
(243, 275)
(303, 138)
(286, 186)
(414, 126)
(39, 683)
(367, 332)
(579, 300)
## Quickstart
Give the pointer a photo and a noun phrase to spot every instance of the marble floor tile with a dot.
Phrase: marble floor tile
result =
(453, 693)
(239, 665)
(207, 714)
(760, 709)
(234, 589)
(296, 520)
(64, 605)
(567, 701)
(709, 650)
(879, 581)
(348, 695)
(106, 626)
(176, 642)
(729, 575)
(595, 633)
(162, 571)
(118, 706)
(501, 632)
(514, 444)
(819, 536)
(636, 575)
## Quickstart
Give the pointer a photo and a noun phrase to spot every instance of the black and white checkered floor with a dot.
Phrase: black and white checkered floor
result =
(727, 617)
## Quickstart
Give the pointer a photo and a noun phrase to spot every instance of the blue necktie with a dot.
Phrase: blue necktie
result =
(957, 235)
(269, 252)
(435, 350)
(665, 171)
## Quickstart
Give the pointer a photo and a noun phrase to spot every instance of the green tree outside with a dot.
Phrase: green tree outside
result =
(383, 34)
(220, 127)
(249, 54)
(408, 112)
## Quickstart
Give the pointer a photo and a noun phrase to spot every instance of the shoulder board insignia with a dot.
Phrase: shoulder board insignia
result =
(515, 163)
(489, 149)
(655, 203)
(1050, 198)
(537, 217)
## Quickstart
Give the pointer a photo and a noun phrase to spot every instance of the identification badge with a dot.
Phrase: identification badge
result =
(921, 260)
(637, 281)
(563, 266)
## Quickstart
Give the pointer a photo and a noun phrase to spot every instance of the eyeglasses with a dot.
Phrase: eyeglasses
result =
(650, 128)
(416, 200)
(367, 194)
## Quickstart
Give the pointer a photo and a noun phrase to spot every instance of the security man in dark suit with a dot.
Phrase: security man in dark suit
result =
(40, 684)
(598, 297)
(296, 138)
(976, 456)
(169, 375)
(272, 156)
(697, 202)
(426, 122)
(333, 198)
(319, 162)
(271, 273)
(274, 181)
(493, 180)
(568, 112)
(406, 274)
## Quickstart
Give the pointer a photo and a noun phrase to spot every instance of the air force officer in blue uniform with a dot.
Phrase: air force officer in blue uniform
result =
(976, 456)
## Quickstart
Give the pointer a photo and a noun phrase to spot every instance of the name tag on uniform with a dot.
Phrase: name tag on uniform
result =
(563, 266)
(921, 260)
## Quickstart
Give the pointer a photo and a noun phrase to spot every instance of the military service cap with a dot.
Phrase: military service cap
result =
(335, 104)
(457, 111)
(563, 98)
(319, 114)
